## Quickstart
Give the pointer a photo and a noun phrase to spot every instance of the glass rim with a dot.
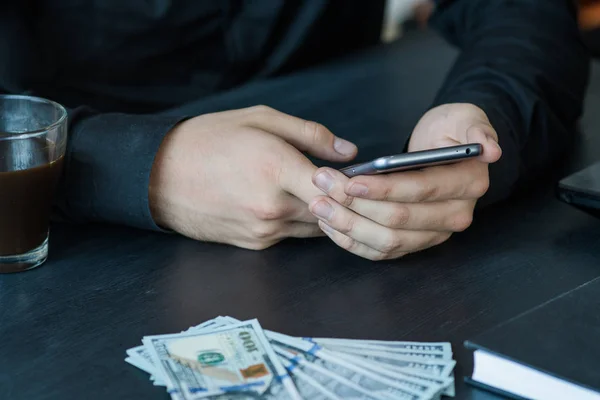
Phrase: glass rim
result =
(34, 132)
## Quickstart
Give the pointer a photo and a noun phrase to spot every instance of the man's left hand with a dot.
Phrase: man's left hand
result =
(388, 216)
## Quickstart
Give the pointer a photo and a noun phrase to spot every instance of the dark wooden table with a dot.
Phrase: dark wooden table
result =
(64, 327)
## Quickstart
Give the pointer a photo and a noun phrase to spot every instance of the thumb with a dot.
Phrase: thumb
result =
(485, 135)
(304, 135)
(481, 133)
(317, 140)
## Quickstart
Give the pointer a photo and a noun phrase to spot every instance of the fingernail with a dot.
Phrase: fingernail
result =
(357, 190)
(324, 181)
(344, 147)
(323, 209)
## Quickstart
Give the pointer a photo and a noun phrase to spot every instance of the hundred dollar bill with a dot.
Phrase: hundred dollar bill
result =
(434, 367)
(437, 350)
(214, 323)
(344, 387)
(143, 353)
(400, 388)
(141, 365)
(381, 351)
(351, 362)
(436, 347)
(399, 346)
(307, 384)
(140, 357)
(308, 387)
(140, 353)
(447, 383)
(234, 360)
(417, 354)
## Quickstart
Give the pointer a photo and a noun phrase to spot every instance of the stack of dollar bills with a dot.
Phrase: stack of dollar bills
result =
(225, 358)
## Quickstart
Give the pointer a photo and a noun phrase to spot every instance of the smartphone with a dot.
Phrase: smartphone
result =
(414, 160)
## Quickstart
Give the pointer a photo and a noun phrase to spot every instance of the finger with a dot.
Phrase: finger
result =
(487, 137)
(298, 211)
(370, 233)
(482, 133)
(304, 135)
(264, 234)
(295, 177)
(354, 247)
(332, 182)
(447, 216)
(463, 180)
(303, 230)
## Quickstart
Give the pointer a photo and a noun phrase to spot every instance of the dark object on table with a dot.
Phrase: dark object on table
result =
(521, 357)
(582, 189)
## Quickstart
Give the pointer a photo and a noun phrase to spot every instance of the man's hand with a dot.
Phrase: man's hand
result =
(388, 216)
(239, 177)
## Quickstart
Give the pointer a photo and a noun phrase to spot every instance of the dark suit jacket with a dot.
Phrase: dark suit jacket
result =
(116, 64)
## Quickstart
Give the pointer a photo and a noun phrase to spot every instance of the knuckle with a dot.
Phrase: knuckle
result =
(347, 201)
(314, 132)
(480, 187)
(349, 244)
(264, 231)
(437, 240)
(386, 193)
(347, 226)
(258, 245)
(390, 245)
(461, 221)
(426, 191)
(268, 212)
(399, 217)
(378, 256)
(261, 109)
(443, 238)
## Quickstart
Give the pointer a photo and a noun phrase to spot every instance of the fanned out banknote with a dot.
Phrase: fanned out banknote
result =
(225, 358)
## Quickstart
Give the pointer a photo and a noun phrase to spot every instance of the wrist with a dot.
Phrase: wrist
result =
(157, 189)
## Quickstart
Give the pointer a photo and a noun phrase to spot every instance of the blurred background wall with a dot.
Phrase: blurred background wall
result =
(403, 15)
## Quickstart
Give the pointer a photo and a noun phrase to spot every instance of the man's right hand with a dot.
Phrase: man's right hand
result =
(239, 177)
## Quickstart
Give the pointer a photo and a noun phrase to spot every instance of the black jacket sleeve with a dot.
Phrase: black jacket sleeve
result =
(107, 167)
(523, 63)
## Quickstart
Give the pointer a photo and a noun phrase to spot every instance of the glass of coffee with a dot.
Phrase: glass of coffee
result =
(33, 140)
